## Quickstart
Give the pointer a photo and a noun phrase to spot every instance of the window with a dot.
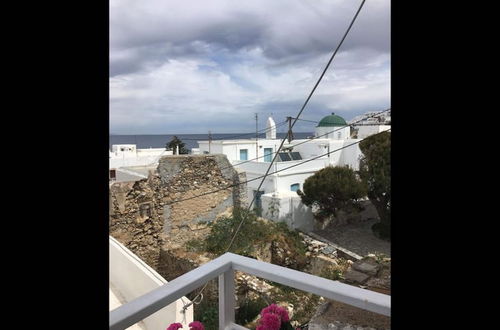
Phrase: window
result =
(268, 154)
(112, 174)
(295, 155)
(295, 187)
(243, 154)
(284, 157)
(339, 134)
(145, 210)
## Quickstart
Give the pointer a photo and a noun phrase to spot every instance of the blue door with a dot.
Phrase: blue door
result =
(268, 154)
(243, 154)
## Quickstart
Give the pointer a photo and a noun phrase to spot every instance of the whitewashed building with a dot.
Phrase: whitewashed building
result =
(127, 155)
(299, 159)
(364, 131)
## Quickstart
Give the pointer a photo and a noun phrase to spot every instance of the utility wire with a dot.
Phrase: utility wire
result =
(284, 139)
(264, 176)
(311, 121)
(240, 135)
(277, 171)
(298, 115)
(309, 140)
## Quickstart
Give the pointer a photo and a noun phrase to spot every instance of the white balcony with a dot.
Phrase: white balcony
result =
(130, 278)
(224, 268)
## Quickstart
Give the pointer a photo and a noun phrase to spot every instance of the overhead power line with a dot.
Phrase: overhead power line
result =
(312, 139)
(284, 139)
(277, 171)
(240, 135)
(310, 121)
(301, 110)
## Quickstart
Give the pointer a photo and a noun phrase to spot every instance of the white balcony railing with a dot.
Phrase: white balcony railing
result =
(223, 268)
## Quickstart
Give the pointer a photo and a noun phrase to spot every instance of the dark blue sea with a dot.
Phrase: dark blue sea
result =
(159, 141)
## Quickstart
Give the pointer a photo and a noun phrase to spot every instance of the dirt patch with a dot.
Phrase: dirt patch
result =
(356, 237)
(336, 311)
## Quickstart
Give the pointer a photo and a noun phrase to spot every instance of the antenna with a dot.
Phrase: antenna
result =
(290, 133)
(209, 140)
(256, 136)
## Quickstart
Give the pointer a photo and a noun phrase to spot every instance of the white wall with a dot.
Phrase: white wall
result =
(153, 152)
(289, 209)
(135, 157)
(367, 130)
(338, 134)
(231, 148)
(134, 278)
(215, 147)
(351, 155)
(120, 149)
(136, 161)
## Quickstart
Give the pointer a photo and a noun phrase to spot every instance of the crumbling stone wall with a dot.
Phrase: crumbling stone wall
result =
(145, 214)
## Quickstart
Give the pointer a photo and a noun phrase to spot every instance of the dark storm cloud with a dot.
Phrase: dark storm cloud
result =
(282, 29)
(196, 65)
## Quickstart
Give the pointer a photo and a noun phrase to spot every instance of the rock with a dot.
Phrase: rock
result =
(365, 267)
(319, 263)
(328, 249)
(354, 276)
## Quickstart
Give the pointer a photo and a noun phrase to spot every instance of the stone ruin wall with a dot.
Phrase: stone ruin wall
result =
(142, 218)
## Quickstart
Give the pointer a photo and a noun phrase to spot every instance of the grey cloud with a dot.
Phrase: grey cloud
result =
(284, 30)
(193, 65)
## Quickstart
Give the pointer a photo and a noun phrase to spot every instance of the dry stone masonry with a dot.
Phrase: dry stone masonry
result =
(143, 217)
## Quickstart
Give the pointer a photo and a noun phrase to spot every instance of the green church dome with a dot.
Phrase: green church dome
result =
(332, 120)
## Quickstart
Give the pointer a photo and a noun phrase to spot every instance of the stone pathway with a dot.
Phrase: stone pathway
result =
(356, 237)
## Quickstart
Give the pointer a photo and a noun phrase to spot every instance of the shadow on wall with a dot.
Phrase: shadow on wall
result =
(290, 209)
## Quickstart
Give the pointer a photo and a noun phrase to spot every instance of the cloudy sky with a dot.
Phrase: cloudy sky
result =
(189, 66)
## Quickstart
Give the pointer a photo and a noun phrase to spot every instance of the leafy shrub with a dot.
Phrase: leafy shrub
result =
(332, 273)
(253, 233)
(249, 309)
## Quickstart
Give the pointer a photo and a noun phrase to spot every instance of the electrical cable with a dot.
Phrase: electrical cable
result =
(291, 126)
(309, 140)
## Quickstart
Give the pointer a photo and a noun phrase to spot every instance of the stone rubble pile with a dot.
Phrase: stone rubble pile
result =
(371, 272)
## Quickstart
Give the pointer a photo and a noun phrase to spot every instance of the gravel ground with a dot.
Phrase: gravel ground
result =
(356, 237)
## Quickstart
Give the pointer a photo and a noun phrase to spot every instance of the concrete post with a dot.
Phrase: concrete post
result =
(227, 301)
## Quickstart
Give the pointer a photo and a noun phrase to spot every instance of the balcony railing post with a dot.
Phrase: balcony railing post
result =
(227, 301)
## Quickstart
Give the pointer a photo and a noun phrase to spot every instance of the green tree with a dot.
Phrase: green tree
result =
(332, 189)
(375, 171)
(173, 145)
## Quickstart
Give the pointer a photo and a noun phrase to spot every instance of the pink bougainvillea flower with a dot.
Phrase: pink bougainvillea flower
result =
(270, 321)
(174, 326)
(196, 325)
(275, 309)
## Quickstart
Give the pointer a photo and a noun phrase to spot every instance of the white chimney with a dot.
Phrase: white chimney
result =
(271, 129)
